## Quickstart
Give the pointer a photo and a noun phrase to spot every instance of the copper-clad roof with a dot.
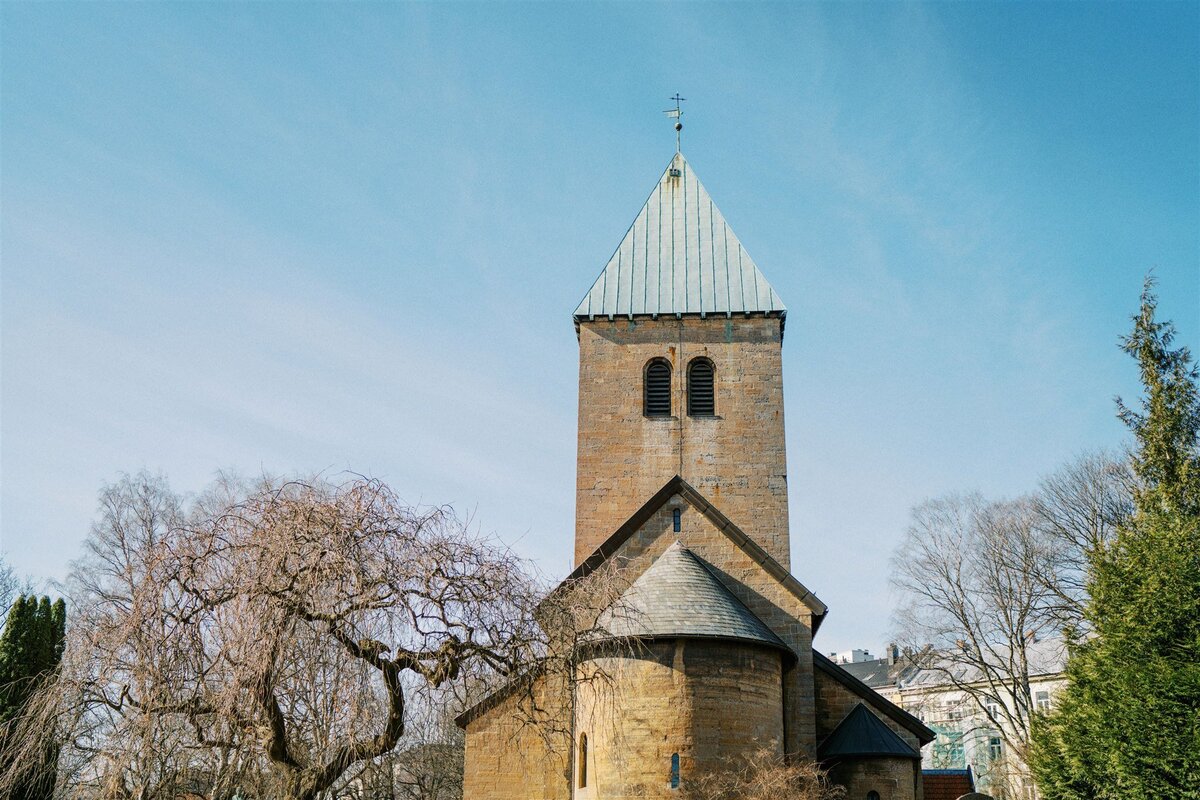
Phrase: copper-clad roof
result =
(679, 257)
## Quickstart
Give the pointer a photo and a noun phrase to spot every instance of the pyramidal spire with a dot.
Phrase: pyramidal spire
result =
(679, 257)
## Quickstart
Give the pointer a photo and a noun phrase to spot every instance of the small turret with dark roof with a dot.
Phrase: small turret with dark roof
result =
(862, 734)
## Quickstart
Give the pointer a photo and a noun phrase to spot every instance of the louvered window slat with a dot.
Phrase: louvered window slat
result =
(701, 399)
(658, 389)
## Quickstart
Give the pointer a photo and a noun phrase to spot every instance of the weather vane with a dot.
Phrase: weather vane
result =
(676, 113)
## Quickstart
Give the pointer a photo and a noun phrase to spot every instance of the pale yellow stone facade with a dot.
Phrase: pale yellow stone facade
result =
(510, 759)
(662, 703)
(737, 457)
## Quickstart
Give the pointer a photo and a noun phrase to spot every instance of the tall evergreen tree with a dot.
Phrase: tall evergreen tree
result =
(58, 616)
(45, 644)
(1127, 725)
(16, 656)
(31, 648)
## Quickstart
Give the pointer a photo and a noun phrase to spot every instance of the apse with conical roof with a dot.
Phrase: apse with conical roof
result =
(679, 597)
(680, 371)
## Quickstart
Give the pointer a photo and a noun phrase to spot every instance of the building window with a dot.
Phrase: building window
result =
(583, 756)
(948, 752)
(872, 795)
(675, 770)
(677, 520)
(701, 399)
(1041, 701)
(657, 400)
(995, 748)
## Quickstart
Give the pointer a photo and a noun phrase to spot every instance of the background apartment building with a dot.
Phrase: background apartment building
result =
(972, 716)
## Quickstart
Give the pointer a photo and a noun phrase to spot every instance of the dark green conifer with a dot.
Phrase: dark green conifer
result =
(1127, 726)
(58, 615)
(44, 641)
(15, 656)
(31, 647)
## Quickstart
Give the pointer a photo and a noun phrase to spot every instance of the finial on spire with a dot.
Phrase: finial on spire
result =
(676, 113)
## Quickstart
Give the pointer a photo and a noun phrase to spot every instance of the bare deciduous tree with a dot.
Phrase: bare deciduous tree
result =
(8, 589)
(10, 586)
(1079, 509)
(974, 604)
(266, 639)
(989, 589)
(430, 768)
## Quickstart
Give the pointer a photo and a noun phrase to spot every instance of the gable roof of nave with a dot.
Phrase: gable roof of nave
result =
(838, 673)
(612, 546)
(678, 487)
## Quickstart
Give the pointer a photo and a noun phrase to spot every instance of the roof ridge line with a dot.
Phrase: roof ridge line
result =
(644, 207)
(677, 485)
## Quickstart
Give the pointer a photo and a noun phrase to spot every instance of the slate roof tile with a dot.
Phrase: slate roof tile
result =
(678, 596)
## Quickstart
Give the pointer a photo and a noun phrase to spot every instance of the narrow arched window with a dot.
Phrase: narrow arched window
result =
(701, 399)
(658, 389)
(677, 519)
(583, 755)
(675, 770)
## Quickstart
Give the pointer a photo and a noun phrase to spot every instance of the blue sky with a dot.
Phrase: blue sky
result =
(297, 237)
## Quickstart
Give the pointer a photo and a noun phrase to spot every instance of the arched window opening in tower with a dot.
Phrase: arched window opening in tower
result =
(658, 389)
(701, 398)
(675, 770)
(583, 756)
(677, 519)
(872, 795)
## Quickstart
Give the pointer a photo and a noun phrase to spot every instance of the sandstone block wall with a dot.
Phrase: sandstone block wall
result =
(736, 458)
(891, 778)
(509, 759)
(709, 701)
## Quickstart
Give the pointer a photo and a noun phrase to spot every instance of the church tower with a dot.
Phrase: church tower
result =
(692, 646)
(681, 373)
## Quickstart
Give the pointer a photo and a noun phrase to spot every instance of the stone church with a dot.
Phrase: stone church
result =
(682, 488)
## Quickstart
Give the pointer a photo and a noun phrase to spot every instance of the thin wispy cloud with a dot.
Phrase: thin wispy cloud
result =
(298, 238)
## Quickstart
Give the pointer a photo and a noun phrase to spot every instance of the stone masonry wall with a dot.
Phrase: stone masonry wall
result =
(508, 759)
(891, 778)
(711, 702)
(735, 458)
